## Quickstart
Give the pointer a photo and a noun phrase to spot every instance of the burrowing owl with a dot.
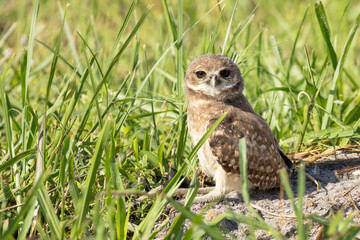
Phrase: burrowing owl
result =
(214, 85)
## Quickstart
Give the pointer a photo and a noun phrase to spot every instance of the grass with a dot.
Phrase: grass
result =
(108, 78)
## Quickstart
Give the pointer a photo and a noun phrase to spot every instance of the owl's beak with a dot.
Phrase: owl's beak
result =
(213, 81)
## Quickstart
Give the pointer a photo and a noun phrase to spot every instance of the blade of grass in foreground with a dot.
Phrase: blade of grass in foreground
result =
(86, 195)
(17, 159)
(14, 224)
(243, 170)
(48, 212)
(212, 231)
(253, 225)
(109, 156)
(298, 208)
(337, 73)
(147, 224)
(175, 229)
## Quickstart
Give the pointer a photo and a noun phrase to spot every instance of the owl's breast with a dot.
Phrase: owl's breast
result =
(197, 122)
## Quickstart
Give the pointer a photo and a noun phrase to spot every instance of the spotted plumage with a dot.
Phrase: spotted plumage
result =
(214, 85)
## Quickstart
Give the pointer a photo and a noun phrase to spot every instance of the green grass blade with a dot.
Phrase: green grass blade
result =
(27, 222)
(12, 161)
(240, 29)
(76, 96)
(243, 170)
(175, 229)
(31, 47)
(215, 33)
(298, 208)
(14, 224)
(108, 71)
(70, 39)
(229, 28)
(121, 32)
(179, 52)
(40, 151)
(182, 141)
(54, 63)
(48, 212)
(249, 220)
(5, 110)
(292, 55)
(169, 20)
(277, 54)
(325, 30)
(336, 76)
(126, 43)
(146, 225)
(109, 156)
(87, 194)
(157, 208)
(139, 89)
(212, 231)
(61, 58)
(300, 195)
(354, 113)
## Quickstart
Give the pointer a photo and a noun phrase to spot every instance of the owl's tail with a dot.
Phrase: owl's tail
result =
(290, 164)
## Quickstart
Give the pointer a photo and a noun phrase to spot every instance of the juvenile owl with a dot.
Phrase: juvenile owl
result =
(213, 86)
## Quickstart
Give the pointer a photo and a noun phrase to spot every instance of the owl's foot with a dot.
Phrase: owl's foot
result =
(183, 191)
(211, 194)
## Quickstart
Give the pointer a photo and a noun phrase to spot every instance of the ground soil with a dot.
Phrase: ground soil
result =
(340, 189)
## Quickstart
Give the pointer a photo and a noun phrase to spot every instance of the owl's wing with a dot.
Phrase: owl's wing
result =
(263, 155)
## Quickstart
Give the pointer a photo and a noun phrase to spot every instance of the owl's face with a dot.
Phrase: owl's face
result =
(215, 76)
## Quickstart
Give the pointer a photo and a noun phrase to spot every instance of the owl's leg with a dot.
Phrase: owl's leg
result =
(212, 196)
(183, 191)
(225, 183)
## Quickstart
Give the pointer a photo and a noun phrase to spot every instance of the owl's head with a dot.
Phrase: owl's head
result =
(215, 77)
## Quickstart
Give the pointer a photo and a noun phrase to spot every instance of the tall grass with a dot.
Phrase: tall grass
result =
(108, 77)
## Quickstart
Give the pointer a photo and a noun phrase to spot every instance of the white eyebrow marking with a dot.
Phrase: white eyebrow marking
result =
(206, 88)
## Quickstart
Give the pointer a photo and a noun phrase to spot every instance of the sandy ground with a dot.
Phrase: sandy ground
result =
(339, 190)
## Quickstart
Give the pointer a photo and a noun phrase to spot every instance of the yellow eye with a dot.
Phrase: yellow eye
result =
(200, 74)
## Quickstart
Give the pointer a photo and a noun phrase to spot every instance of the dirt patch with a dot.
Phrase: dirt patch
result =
(340, 189)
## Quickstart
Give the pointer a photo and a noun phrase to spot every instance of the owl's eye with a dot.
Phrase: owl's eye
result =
(225, 73)
(200, 74)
